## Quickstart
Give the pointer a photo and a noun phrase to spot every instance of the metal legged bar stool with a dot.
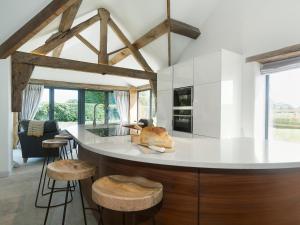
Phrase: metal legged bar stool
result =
(66, 137)
(126, 194)
(69, 170)
(48, 146)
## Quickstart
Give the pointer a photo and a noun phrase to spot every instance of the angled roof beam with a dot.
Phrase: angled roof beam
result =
(67, 64)
(32, 27)
(60, 38)
(87, 44)
(66, 22)
(134, 51)
(144, 40)
(184, 29)
(159, 30)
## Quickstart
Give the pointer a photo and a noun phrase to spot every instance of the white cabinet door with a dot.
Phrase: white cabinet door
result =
(183, 74)
(207, 110)
(165, 79)
(164, 109)
(207, 68)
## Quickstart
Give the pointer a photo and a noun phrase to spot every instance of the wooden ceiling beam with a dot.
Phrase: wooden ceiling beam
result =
(116, 51)
(63, 84)
(144, 40)
(32, 27)
(104, 17)
(184, 29)
(67, 64)
(277, 55)
(169, 33)
(60, 38)
(20, 75)
(136, 53)
(66, 23)
(87, 44)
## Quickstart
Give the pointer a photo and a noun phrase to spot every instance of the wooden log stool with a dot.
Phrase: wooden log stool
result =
(69, 138)
(48, 146)
(126, 194)
(69, 170)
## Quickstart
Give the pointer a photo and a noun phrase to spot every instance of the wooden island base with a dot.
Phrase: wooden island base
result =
(194, 196)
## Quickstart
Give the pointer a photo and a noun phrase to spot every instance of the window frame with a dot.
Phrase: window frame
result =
(81, 103)
(267, 107)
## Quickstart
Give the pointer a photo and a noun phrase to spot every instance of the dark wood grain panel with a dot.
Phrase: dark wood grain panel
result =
(257, 197)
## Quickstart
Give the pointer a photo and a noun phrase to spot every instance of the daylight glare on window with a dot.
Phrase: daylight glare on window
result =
(284, 106)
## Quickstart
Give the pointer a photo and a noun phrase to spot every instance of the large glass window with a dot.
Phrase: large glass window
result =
(70, 107)
(93, 98)
(283, 111)
(66, 107)
(43, 110)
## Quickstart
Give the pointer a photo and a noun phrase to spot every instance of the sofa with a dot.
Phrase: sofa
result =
(32, 146)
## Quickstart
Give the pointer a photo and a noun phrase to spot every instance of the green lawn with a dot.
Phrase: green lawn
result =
(286, 134)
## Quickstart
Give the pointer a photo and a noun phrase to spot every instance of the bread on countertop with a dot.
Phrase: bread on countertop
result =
(156, 136)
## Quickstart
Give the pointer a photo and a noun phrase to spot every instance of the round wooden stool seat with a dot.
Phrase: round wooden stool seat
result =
(63, 136)
(68, 170)
(126, 194)
(54, 143)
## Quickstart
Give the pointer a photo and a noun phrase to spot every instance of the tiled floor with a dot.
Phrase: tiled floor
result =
(17, 196)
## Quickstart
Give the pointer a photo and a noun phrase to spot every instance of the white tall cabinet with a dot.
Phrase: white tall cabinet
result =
(217, 94)
(216, 78)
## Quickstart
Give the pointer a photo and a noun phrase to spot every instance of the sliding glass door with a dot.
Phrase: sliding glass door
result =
(66, 107)
(69, 107)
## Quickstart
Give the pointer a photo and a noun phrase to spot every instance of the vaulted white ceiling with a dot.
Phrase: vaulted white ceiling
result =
(135, 18)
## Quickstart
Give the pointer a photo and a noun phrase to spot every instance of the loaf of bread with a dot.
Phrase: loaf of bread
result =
(156, 136)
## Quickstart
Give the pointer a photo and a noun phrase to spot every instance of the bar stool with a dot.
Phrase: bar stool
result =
(126, 194)
(48, 146)
(66, 137)
(69, 170)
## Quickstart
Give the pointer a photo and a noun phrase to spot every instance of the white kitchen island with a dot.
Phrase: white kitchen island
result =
(206, 181)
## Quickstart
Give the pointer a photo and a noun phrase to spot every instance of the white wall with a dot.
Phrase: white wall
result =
(249, 27)
(5, 118)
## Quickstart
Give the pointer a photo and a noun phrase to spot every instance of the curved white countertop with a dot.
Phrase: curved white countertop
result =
(237, 153)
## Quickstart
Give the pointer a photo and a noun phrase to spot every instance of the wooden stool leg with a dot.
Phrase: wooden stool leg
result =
(49, 203)
(82, 203)
(66, 203)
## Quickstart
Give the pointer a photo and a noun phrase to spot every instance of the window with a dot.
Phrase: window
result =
(66, 107)
(144, 104)
(43, 110)
(283, 106)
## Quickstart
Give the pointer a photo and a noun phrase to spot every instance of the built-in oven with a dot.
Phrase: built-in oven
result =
(183, 120)
(183, 97)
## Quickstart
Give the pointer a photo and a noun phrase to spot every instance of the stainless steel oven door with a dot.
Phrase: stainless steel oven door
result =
(183, 121)
(183, 97)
